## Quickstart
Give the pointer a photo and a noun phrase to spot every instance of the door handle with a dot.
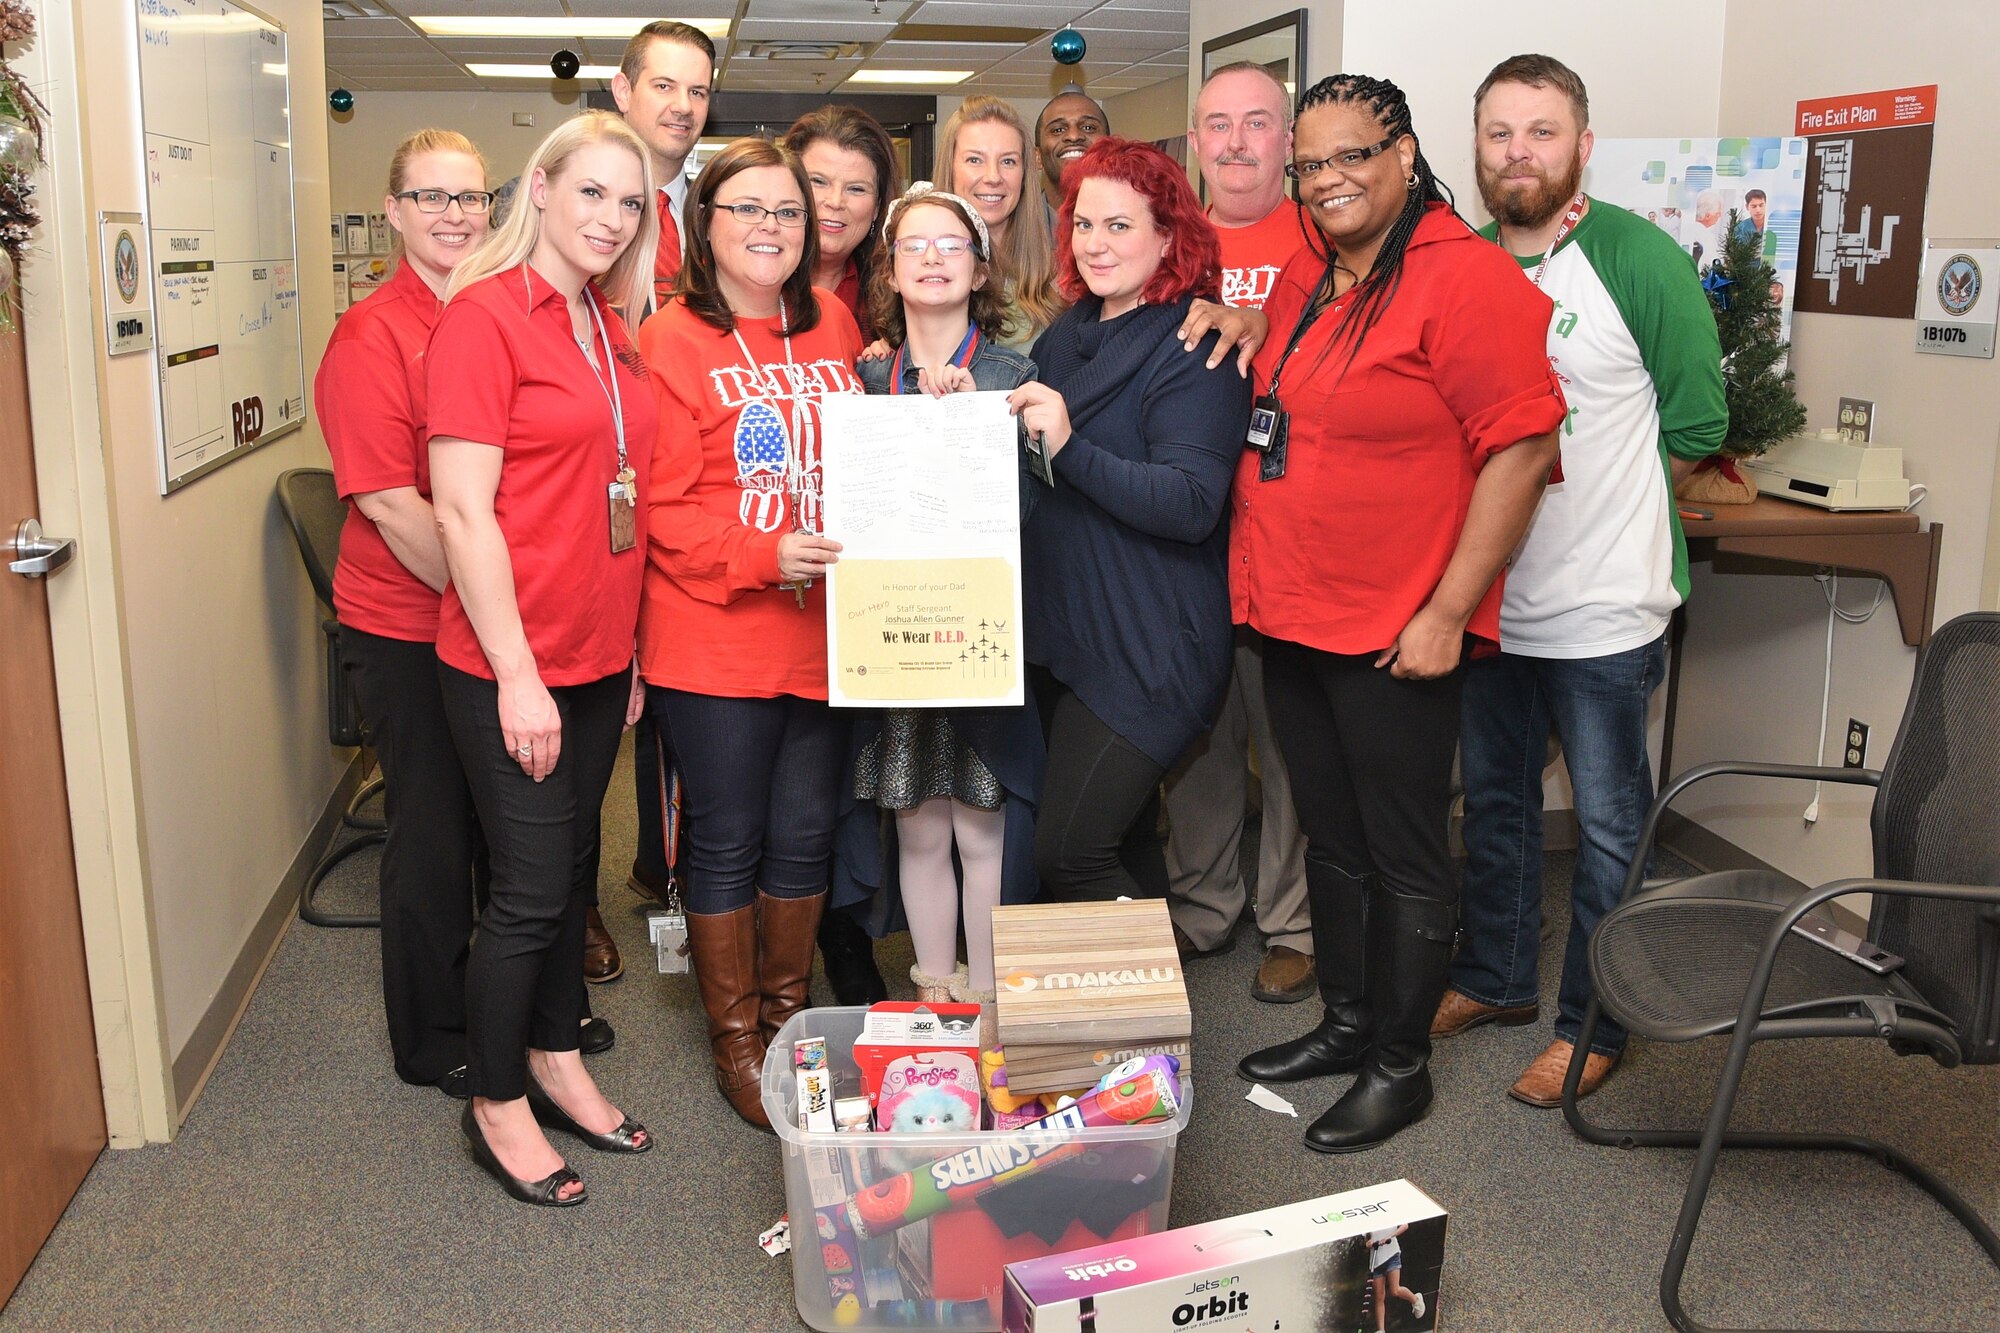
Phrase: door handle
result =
(31, 555)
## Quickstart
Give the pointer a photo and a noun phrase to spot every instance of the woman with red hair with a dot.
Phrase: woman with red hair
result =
(1123, 553)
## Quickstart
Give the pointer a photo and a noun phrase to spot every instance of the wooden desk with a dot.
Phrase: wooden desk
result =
(1769, 535)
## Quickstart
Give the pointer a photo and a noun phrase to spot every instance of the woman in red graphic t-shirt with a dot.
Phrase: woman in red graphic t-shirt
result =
(541, 422)
(732, 637)
(370, 395)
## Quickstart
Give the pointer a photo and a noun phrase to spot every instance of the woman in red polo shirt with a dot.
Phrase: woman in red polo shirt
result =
(732, 638)
(1409, 426)
(541, 423)
(370, 395)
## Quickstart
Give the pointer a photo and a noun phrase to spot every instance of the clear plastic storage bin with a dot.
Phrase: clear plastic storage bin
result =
(1085, 1187)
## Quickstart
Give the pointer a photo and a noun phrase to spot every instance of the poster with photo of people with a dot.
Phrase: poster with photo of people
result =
(1688, 187)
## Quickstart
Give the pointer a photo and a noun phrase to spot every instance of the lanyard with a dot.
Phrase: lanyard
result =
(961, 358)
(1570, 219)
(783, 323)
(792, 463)
(612, 395)
(1299, 330)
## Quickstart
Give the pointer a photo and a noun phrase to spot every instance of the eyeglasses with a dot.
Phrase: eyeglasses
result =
(437, 201)
(753, 214)
(1351, 160)
(948, 247)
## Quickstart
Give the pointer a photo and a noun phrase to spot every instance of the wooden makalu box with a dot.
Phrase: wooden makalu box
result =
(1082, 987)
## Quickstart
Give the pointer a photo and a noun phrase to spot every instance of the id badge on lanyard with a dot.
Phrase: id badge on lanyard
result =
(622, 494)
(1270, 425)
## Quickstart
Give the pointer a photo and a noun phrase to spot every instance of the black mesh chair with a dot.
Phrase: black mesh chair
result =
(316, 512)
(1717, 955)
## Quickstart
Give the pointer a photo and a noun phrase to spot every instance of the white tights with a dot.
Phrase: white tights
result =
(924, 836)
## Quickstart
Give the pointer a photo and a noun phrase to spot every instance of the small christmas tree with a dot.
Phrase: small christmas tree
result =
(1756, 383)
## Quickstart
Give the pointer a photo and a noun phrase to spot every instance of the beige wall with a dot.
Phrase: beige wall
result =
(1158, 112)
(229, 766)
(1756, 646)
(1652, 69)
(359, 144)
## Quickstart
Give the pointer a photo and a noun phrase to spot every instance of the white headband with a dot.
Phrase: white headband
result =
(922, 190)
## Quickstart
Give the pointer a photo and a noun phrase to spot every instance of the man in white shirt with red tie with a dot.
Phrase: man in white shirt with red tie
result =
(662, 88)
(1242, 139)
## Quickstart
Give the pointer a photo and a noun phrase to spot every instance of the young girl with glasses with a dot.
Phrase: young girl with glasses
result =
(969, 776)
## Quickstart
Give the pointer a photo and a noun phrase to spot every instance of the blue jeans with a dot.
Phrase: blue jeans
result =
(761, 789)
(1598, 707)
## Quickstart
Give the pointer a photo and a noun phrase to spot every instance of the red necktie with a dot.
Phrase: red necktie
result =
(667, 261)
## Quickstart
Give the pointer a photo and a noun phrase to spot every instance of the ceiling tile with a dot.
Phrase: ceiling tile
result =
(1015, 15)
(827, 10)
(822, 30)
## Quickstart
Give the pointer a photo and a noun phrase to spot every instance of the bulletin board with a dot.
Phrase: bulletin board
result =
(215, 111)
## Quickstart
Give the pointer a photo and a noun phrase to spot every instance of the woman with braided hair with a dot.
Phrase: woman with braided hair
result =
(1406, 430)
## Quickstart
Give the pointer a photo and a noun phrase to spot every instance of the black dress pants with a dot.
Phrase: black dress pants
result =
(524, 987)
(1370, 762)
(429, 858)
(1097, 827)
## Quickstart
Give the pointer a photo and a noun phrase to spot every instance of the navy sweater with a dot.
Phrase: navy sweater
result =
(1123, 562)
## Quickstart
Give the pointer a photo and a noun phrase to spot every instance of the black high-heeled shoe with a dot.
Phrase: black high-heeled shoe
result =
(543, 1193)
(622, 1139)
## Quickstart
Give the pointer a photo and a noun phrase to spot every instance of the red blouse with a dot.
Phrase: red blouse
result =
(1347, 546)
(505, 370)
(370, 396)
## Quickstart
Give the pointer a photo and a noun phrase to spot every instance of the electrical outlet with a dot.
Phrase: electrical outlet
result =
(524, 119)
(1857, 419)
(1855, 754)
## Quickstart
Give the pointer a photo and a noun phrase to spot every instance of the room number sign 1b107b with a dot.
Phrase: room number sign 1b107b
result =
(1957, 298)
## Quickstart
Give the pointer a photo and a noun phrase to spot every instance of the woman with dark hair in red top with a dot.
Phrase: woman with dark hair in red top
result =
(370, 395)
(732, 639)
(1124, 593)
(1407, 428)
(540, 422)
(850, 162)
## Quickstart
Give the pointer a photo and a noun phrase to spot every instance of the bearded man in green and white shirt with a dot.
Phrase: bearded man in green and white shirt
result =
(1591, 590)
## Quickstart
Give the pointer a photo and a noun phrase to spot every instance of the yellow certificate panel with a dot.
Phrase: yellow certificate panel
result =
(927, 631)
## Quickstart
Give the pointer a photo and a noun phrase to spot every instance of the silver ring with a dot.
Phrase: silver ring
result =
(527, 749)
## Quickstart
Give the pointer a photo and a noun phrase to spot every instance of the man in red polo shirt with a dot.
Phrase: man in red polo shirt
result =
(1242, 139)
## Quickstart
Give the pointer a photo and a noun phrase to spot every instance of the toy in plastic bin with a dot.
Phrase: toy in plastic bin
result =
(1012, 1110)
(929, 1093)
(896, 1028)
(926, 1191)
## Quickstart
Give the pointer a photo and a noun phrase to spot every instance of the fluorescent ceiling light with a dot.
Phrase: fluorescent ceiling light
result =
(910, 76)
(474, 25)
(536, 71)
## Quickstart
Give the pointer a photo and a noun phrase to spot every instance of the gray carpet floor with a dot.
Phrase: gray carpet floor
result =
(311, 1190)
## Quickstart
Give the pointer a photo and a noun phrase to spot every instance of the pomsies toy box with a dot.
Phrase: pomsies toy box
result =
(1323, 1266)
(972, 1201)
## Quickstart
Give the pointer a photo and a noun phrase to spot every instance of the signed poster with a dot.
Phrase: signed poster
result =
(924, 607)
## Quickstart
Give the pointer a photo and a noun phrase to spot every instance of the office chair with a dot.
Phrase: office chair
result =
(1717, 954)
(316, 512)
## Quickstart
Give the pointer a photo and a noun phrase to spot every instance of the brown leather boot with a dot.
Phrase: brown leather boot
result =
(725, 967)
(787, 933)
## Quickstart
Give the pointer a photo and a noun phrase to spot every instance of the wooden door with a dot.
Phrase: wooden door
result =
(51, 1100)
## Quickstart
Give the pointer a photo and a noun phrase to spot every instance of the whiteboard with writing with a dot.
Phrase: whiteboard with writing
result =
(215, 106)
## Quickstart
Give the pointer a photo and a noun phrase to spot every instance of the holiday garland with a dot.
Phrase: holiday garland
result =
(21, 115)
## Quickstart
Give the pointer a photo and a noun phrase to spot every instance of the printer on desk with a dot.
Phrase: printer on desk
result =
(1831, 472)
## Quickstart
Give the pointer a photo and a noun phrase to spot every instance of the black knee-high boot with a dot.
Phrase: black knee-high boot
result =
(1410, 942)
(1339, 903)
